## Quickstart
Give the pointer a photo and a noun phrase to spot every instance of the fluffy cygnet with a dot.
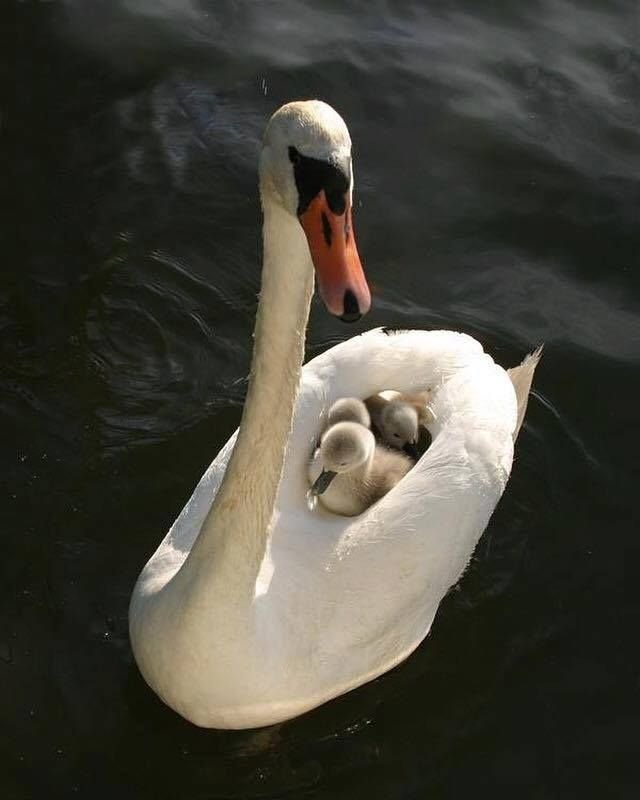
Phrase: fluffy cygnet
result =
(348, 409)
(349, 472)
(398, 418)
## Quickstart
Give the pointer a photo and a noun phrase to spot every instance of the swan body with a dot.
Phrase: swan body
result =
(337, 601)
(360, 472)
(254, 609)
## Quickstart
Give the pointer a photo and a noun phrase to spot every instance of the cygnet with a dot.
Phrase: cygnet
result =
(348, 409)
(349, 472)
(400, 419)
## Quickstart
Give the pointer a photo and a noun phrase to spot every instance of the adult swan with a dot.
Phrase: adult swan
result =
(255, 609)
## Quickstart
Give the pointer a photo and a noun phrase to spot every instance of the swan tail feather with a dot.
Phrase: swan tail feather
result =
(521, 378)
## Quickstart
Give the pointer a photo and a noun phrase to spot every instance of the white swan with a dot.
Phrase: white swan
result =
(254, 609)
(349, 471)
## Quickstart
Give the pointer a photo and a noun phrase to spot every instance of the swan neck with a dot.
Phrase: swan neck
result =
(235, 533)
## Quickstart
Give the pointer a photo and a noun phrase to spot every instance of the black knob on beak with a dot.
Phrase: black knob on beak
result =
(351, 311)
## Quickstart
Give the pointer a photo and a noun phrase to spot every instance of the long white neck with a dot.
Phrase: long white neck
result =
(232, 542)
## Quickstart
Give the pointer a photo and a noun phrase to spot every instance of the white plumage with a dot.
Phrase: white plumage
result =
(340, 600)
(255, 609)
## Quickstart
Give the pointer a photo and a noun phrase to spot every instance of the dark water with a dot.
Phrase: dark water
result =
(497, 161)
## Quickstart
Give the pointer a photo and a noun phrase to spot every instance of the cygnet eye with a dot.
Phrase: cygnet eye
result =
(397, 435)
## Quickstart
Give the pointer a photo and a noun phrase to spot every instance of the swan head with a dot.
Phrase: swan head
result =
(349, 409)
(305, 167)
(399, 425)
(344, 446)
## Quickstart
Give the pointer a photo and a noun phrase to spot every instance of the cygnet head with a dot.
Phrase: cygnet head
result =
(399, 424)
(349, 409)
(305, 168)
(344, 447)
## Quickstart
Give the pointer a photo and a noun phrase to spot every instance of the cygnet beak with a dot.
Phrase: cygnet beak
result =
(411, 449)
(322, 482)
(341, 281)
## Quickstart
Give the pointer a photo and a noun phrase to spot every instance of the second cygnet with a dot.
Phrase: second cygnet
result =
(349, 472)
(349, 409)
(399, 419)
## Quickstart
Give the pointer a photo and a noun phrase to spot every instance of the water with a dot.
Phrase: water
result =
(497, 161)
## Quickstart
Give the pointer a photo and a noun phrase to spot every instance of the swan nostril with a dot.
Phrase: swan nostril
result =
(351, 309)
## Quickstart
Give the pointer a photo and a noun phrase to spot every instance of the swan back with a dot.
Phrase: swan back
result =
(475, 406)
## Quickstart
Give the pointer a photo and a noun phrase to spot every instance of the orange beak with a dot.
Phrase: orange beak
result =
(332, 244)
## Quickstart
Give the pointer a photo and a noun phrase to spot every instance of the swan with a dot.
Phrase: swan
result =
(349, 472)
(253, 609)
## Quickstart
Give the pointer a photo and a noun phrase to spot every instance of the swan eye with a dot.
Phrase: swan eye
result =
(314, 175)
(397, 435)
(294, 156)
